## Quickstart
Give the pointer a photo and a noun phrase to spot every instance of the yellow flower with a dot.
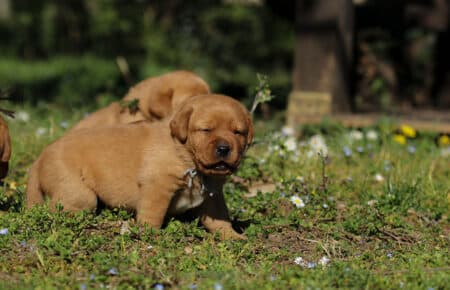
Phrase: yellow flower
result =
(408, 131)
(400, 139)
(13, 185)
(444, 140)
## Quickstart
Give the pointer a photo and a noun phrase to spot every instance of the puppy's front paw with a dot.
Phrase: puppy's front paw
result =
(230, 234)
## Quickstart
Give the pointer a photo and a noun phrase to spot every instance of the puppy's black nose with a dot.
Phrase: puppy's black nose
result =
(223, 150)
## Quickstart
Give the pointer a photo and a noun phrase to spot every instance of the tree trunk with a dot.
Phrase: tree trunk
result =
(5, 9)
(324, 49)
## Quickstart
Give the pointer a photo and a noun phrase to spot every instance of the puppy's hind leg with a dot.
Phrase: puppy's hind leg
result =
(34, 193)
(73, 195)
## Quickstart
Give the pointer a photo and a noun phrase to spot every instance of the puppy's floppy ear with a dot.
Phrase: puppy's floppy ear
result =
(160, 104)
(179, 124)
(250, 131)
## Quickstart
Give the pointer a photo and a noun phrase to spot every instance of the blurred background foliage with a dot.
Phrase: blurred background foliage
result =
(66, 51)
(89, 52)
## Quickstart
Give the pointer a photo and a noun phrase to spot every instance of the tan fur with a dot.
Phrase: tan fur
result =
(143, 166)
(5, 148)
(158, 96)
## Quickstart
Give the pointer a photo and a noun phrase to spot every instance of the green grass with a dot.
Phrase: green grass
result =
(388, 234)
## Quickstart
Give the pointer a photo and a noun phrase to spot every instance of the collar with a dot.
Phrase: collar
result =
(191, 173)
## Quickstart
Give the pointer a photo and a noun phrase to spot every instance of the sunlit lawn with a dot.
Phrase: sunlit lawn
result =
(373, 214)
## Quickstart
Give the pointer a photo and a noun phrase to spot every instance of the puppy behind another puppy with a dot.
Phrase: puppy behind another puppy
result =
(157, 98)
(158, 170)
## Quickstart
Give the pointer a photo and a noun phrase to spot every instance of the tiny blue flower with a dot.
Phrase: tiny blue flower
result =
(347, 151)
(4, 231)
(158, 286)
(282, 194)
(387, 166)
(64, 124)
(360, 149)
(272, 277)
(349, 179)
(347, 269)
(389, 255)
(193, 286)
(430, 288)
(412, 149)
(218, 286)
(113, 271)
(91, 277)
(23, 243)
(83, 287)
(311, 265)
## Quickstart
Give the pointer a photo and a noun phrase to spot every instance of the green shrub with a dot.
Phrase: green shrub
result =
(66, 80)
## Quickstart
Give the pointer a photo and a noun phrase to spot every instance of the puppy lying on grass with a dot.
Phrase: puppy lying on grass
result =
(156, 97)
(159, 169)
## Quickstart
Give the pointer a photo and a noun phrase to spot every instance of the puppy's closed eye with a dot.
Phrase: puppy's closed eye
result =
(206, 130)
(240, 132)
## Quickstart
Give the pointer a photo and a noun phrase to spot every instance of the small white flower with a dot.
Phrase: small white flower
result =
(4, 231)
(378, 177)
(371, 135)
(41, 131)
(297, 201)
(355, 135)
(372, 202)
(274, 148)
(300, 178)
(299, 261)
(125, 228)
(445, 152)
(316, 141)
(287, 131)
(149, 247)
(23, 116)
(218, 286)
(290, 144)
(317, 145)
(324, 261)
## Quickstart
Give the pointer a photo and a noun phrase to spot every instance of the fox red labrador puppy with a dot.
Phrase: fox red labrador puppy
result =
(157, 169)
(157, 97)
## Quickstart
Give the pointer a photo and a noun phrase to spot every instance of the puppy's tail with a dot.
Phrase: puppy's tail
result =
(34, 193)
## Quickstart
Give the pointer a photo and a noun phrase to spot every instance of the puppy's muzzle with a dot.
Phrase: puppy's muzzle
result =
(223, 149)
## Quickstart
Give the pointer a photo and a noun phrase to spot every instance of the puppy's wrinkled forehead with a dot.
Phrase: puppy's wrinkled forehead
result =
(216, 111)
